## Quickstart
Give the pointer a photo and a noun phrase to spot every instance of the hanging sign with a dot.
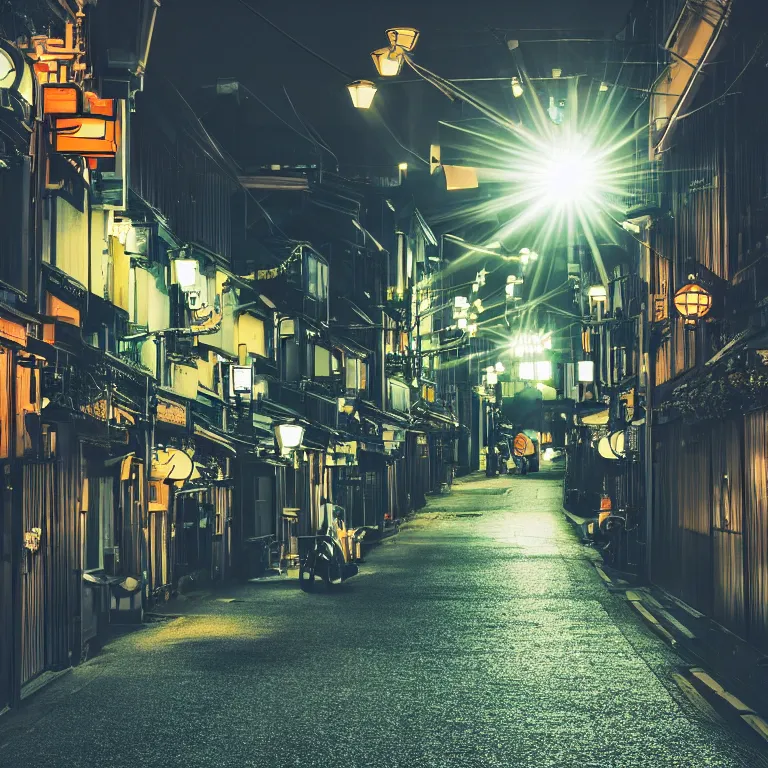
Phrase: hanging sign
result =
(171, 412)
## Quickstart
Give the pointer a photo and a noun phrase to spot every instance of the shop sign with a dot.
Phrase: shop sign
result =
(13, 332)
(98, 409)
(170, 412)
(172, 464)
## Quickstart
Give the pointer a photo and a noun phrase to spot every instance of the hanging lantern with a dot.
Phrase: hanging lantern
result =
(613, 446)
(693, 302)
(403, 37)
(388, 61)
(362, 93)
(517, 87)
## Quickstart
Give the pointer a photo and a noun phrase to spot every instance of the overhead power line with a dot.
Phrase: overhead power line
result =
(301, 45)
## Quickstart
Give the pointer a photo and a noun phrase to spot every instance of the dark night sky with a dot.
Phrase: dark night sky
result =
(197, 41)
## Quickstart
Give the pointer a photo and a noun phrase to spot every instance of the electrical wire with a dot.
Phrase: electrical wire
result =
(730, 87)
(295, 41)
(400, 143)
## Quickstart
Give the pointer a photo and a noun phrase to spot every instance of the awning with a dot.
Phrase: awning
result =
(218, 440)
(369, 411)
(430, 414)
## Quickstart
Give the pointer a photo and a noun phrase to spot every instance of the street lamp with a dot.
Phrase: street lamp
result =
(517, 87)
(388, 61)
(403, 37)
(693, 302)
(289, 437)
(362, 93)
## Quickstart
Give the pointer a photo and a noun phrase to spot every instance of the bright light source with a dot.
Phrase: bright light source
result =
(499, 367)
(597, 293)
(549, 454)
(289, 437)
(517, 88)
(403, 37)
(603, 87)
(388, 61)
(556, 72)
(185, 272)
(402, 167)
(362, 93)
(568, 175)
(543, 370)
(529, 344)
(460, 302)
(492, 378)
(586, 370)
(526, 371)
(462, 323)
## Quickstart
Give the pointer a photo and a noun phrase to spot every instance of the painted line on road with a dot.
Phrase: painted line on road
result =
(603, 575)
(660, 609)
(757, 724)
(698, 701)
(714, 686)
(653, 621)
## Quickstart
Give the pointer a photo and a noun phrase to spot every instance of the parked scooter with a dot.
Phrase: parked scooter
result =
(332, 555)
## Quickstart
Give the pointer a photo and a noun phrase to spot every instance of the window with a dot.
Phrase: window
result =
(322, 362)
(316, 277)
(100, 523)
(356, 374)
(399, 396)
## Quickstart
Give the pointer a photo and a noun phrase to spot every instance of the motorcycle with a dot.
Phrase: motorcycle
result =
(331, 556)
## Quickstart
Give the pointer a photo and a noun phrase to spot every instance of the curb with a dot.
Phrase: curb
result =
(738, 708)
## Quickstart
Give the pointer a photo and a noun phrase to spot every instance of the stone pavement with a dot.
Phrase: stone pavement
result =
(480, 636)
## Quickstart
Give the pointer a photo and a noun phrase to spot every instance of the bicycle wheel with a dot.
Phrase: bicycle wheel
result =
(307, 573)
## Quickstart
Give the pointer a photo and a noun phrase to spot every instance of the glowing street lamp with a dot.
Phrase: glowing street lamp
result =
(388, 61)
(362, 93)
(403, 37)
(289, 437)
(517, 87)
(693, 302)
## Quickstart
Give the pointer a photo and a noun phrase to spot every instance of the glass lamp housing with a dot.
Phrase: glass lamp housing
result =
(388, 61)
(693, 302)
(403, 37)
(362, 93)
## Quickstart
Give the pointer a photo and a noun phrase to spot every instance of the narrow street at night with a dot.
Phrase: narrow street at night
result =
(481, 635)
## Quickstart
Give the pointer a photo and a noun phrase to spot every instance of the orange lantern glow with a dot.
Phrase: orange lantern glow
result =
(693, 302)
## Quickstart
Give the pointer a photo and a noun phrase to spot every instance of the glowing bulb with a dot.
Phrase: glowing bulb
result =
(568, 175)
(517, 88)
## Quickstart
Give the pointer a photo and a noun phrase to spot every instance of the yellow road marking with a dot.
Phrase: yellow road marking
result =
(679, 626)
(698, 701)
(757, 724)
(713, 685)
(651, 619)
(603, 575)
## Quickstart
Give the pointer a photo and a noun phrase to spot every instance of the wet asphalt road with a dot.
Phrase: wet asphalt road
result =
(465, 641)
